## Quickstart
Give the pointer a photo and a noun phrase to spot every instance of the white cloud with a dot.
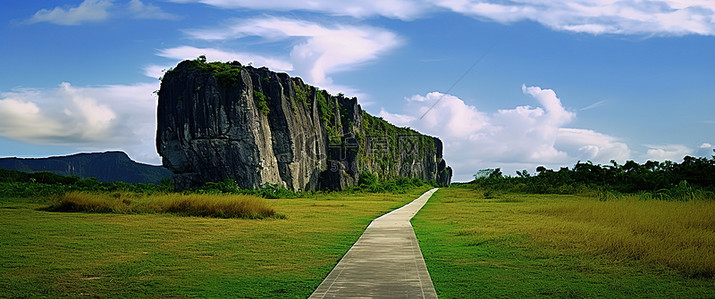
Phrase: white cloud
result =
(588, 145)
(513, 139)
(705, 150)
(396, 9)
(666, 17)
(317, 50)
(594, 105)
(155, 71)
(186, 52)
(140, 10)
(87, 11)
(121, 117)
(672, 152)
(99, 10)
(452, 115)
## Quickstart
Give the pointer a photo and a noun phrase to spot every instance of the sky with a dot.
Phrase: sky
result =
(510, 84)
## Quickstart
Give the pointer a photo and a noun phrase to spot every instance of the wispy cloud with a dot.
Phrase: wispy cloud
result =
(98, 11)
(594, 105)
(87, 11)
(666, 17)
(396, 9)
(317, 50)
(140, 10)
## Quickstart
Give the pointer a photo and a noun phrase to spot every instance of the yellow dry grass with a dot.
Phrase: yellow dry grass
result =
(679, 235)
(220, 206)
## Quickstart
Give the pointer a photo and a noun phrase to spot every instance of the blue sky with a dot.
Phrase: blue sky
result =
(552, 82)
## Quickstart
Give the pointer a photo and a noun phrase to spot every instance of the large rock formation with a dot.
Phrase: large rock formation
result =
(220, 121)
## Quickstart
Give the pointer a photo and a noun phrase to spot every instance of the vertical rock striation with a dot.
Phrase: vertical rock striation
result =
(220, 121)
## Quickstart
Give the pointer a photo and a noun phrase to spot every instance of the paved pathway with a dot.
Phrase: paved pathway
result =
(386, 262)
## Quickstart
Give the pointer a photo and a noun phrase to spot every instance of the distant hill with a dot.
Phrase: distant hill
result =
(106, 167)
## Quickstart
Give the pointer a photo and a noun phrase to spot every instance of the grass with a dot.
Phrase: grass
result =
(515, 245)
(216, 205)
(54, 254)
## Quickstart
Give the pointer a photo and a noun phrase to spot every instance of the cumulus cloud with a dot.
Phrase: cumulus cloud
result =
(589, 145)
(87, 11)
(451, 115)
(118, 117)
(396, 9)
(513, 139)
(317, 50)
(672, 152)
(666, 17)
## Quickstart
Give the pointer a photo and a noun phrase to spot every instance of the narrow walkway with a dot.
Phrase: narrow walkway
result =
(386, 262)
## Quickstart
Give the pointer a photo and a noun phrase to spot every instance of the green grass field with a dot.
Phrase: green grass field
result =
(506, 245)
(76, 254)
(516, 245)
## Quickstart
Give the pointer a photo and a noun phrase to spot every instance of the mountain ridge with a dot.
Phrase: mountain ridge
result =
(109, 166)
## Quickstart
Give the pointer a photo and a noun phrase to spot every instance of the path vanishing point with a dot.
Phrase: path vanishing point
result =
(386, 262)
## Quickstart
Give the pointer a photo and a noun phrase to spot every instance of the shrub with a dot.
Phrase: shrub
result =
(230, 186)
(219, 206)
(90, 202)
(203, 205)
(261, 102)
(226, 73)
(367, 179)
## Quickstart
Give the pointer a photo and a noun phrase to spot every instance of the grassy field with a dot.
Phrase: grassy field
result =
(515, 245)
(52, 254)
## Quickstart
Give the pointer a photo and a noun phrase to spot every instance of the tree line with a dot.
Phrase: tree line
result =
(694, 177)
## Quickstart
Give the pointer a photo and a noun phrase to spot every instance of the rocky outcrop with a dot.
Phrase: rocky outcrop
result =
(220, 121)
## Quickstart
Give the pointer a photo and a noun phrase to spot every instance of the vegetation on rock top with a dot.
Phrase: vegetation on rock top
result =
(226, 73)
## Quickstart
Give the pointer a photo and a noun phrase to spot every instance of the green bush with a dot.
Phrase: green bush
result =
(226, 74)
(370, 182)
(261, 102)
(15, 183)
(367, 178)
(230, 186)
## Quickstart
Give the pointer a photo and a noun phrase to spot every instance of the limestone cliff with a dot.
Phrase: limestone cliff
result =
(223, 120)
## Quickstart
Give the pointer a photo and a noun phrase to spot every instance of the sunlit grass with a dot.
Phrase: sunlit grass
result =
(566, 245)
(219, 206)
(59, 254)
(680, 235)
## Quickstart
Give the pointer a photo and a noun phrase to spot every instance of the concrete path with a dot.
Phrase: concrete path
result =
(386, 262)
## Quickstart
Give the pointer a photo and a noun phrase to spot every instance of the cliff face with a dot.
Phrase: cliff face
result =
(223, 120)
